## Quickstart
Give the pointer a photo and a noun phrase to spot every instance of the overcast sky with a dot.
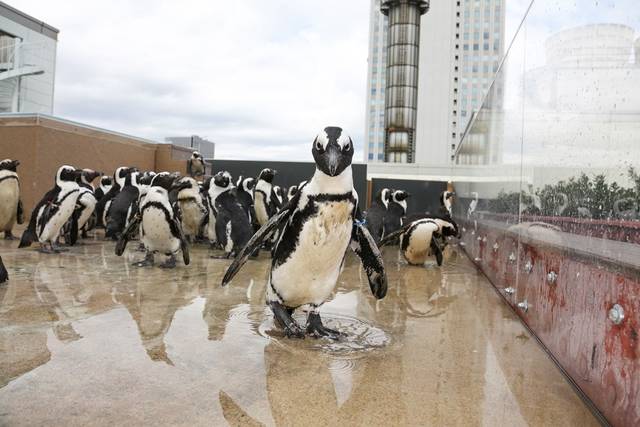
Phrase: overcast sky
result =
(259, 78)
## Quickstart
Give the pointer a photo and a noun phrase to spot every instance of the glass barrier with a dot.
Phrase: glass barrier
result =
(548, 190)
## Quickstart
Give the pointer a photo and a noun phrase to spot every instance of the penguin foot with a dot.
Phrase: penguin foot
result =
(43, 249)
(169, 263)
(283, 317)
(146, 262)
(141, 247)
(9, 236)
(316, 329)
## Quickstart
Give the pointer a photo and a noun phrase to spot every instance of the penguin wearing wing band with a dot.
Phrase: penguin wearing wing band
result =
(318, 225)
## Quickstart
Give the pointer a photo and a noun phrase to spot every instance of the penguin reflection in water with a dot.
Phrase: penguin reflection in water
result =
(318, 224)
(159, 228)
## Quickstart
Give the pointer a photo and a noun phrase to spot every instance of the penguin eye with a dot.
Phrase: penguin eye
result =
(347, 146)
(319, 146)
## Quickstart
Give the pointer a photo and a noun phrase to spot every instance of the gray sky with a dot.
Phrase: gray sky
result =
(259, 78)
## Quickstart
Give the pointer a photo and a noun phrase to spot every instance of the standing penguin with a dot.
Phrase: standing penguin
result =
(160, 230)
(192, 208)
(318, 225)
(262, 196)
(278, 197)
(291, 192)
(376, 213)
(445, 202)
(85, 207)
(104, 203)
(420, 239)
(396, 211)
(233, 227)
(195, 165)
(53, 211)
(244, 194)
(123, 206)
(10, 204)
(103, 188)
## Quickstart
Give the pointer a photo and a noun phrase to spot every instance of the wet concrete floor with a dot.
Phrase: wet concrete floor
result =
(87, 339)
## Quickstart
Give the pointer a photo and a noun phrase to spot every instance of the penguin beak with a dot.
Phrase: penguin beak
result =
(16, 163)
(179, 186)
(333, 155)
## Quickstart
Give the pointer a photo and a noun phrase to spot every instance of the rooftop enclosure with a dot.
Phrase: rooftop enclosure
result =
(44, 143)
(550, 199)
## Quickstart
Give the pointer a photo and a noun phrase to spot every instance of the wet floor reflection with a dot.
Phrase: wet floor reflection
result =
(87, 339)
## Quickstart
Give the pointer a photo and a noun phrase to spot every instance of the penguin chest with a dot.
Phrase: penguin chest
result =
(192, 216)
(261, 208)
(419, 245)
(66, 206)
(156, 232)
(9, 195)
(311, 271)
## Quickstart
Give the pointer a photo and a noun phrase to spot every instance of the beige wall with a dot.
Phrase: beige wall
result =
(42, 145)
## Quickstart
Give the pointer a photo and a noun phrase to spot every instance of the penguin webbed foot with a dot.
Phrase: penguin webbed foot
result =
(170, 262)
(146, 262)
(316, 329)
(283, 318)
(8, 235)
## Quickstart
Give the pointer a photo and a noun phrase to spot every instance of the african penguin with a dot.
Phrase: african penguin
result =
(233, 227)
(277, 196)
(123, 207)
(196, 165)
(244, 194)
(103, 188)
(53, 211)
(421, 239)
(160, 230)
(292, 192)
(262, 196)
(85, 206)
(192, 208)
(376, 213)
(396, 210)
(318, 225)
(10, 204)
(104, 203)
(445, 202)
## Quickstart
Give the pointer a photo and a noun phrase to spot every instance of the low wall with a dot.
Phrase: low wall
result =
(42, 144)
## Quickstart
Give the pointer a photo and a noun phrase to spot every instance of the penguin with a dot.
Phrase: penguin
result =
(191, 205)
(85, 207)
(318, 225)
(4, 275)
(196, 165)
(291, 192)
(396, 210)
(123, 206)
(277, 196)
(103, 188)
(144, 181)
(376, 213)
(420, 239)
(244, 194)
(104, 203)
(233, 225)
(262, 196)
(160, 230)
(53, 211)
(445, 202)
(11, 210)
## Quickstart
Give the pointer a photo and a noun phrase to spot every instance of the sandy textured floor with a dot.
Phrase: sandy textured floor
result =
(86, 339)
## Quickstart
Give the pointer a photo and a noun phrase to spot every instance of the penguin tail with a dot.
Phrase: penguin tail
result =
(28, 237)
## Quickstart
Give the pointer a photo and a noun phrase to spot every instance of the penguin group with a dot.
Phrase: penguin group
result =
(306, 228)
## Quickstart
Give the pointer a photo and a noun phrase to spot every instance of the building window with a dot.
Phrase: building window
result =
(476, 35)
(474, 68)
(476, 46)
(463, 113)
(466, 35)
(485, 35)
(373, 92)
(370, 156)
(465, 47)
(380, 156)
(496, 45)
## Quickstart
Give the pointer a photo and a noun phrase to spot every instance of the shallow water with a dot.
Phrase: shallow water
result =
(85, 338)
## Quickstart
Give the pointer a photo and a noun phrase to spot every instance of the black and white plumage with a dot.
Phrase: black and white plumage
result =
(160, 230)
(262, 195)
(278, 197)
(192, 208)
(421, 238)
(104, 202)
(103, 188)
(318, 225)
(291, 192)
(446, 198)
(244, 194)
(196, 165)
(85, 207)
(53, 211)
(376, 213)
(10, 205)
(233, 226)
(123, 207)
(396, 211)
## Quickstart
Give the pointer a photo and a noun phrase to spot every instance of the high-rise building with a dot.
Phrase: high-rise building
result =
(461, 46)
(27, 62)
(203, 146)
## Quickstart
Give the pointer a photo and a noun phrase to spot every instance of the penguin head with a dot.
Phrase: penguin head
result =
(267, 175)
(106, 181)
(88, 175)
(446, 195)
(222, 179)
(9, 165)
(67, 174)
(163, 180)
(383, 197)
(332, 151)
(146, 178)
(292, 191)
(185, 183)
(248, 184)
(196, 155)
(121, 173)
(400, 196)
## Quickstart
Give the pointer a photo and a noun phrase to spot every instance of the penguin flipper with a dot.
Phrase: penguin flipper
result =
(435, 248)
(20, 213)
(392, 237)
(365, 247)
(127, 234)
(176, 230)
(253, 243)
